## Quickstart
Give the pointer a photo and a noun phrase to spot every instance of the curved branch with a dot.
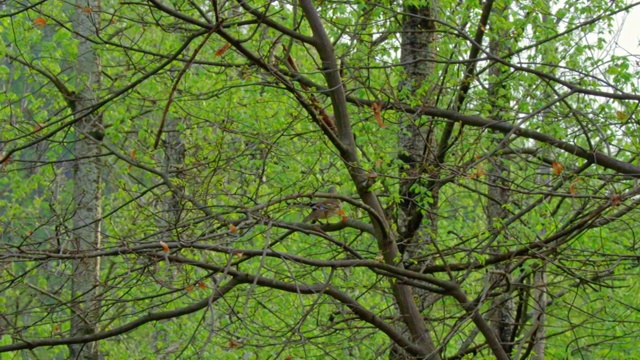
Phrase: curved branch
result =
(265, 19)
(215, 296)
(297, 288)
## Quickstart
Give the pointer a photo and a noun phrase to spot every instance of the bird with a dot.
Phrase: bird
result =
(324, 209)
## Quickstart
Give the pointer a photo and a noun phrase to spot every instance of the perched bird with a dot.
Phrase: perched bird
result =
(324, 209)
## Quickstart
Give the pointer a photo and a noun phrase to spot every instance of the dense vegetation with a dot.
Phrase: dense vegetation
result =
(159, 158)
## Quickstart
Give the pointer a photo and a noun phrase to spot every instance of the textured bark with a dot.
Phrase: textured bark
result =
(174, 151)
(345, 142)
(171, 214)
(416, 144)
(539, 313)
(532, 344)
(85, 303)
(503, 307)
(417, 140)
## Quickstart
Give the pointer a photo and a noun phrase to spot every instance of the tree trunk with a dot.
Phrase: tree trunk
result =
(416, 145)
(503, 307)
(539, 312)
(89, 131)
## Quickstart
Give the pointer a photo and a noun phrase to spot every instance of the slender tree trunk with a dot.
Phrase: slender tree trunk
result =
(539, 312)
(503, 307)
(417, 139)
(540, 276)
(417, 148)
(86, 219)
(534, 339)
(174, 161)
(172, 206)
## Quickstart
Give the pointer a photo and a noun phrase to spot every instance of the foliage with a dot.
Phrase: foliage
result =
(207, 255)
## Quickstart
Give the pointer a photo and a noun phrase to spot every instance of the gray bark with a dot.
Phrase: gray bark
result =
(417, 146)
(539, 313)
(85, 303)
(503, 307)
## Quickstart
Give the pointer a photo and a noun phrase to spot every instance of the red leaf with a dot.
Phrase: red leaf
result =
(572, 188)
(616, 200)
(557, 167)
(222, 50)
(164, 245)
(40, 22)
(133, 157)
(376, 113)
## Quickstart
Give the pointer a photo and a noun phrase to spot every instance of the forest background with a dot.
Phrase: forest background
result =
(158, 160)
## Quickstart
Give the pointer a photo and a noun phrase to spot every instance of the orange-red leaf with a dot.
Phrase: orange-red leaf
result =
(202, 285)
(87, 10)
(376, 113)
(38, 127)
(40, 22)
(222, 50)
(479, 172)
(557, 167)
(164, 245)
(621, 115)
(233, 228)
(616, 200)
(234, 344)
(133, 157)
(344, 217)
(238, 254)
(189, 288)
(572, 188)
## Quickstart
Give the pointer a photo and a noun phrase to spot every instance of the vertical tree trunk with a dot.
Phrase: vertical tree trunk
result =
(539, 312)
(172, 206)
(503, 307)
(174, 151)
(87, 183)
(416, 144)
(417, 139)
(540, 275)
(533, 339)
